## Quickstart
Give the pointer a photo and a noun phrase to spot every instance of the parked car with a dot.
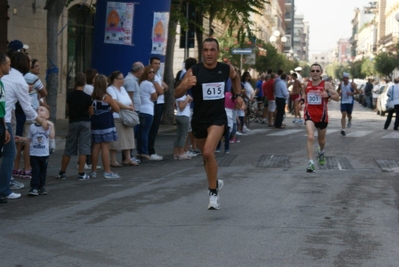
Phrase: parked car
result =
(382, 99)
(359, 97)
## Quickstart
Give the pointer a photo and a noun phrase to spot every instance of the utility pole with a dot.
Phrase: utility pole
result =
(3, 26)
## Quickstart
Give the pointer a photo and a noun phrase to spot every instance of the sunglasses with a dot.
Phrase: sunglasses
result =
(151, 72)
(315, 71)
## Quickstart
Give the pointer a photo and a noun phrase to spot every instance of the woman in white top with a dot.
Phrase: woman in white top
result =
(182, 125)
(125, 140)
(148, 95)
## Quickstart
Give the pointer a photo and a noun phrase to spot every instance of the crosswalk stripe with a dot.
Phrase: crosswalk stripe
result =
(329, 131)
(284, 132)
(349, 133)
(358, 133)
(392, 135)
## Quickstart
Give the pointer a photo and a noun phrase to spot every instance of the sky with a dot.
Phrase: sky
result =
(328, 21)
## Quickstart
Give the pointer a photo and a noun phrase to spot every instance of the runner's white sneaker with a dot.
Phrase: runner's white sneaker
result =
(213, 201)
(220, 185)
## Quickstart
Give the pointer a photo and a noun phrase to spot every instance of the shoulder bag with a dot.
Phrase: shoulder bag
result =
(129, 117)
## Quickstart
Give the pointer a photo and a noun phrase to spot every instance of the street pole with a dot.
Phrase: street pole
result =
(3, 26)
(186, 35)
(241, 65)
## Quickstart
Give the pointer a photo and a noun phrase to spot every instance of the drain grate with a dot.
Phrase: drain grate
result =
(274, 161)
(388, 165)
(336, 163)
(223, 160)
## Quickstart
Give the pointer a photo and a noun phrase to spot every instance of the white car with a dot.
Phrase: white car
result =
(382, 99)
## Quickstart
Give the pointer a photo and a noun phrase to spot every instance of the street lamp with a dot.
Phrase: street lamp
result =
(275, 38)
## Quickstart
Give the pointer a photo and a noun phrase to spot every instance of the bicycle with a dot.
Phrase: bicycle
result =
(255, 114)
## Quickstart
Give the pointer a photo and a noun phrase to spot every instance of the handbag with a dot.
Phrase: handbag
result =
(389, 105)
(129, 117)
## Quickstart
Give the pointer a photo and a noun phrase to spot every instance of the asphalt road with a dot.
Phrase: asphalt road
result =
(272, 212)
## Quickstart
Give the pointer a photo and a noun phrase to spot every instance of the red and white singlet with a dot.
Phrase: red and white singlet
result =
(315, 106)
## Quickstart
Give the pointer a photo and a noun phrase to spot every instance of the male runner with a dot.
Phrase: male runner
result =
(207, 81)
(346, 90)
(315, 96)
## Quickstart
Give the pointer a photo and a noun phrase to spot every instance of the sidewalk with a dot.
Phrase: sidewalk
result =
(61, 130)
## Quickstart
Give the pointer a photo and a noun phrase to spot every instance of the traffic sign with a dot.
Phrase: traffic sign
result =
(241, 51)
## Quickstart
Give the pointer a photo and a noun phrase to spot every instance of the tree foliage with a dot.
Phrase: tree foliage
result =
(386, 62)
(367, 67)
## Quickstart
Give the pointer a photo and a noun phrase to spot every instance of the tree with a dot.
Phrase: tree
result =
(386, 62)
(175, 13)
(355, 69)
(368, 67)
(54, 9)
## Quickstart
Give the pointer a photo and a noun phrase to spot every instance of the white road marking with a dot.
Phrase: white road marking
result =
(394, 135)
(280, 132)
(358, 133)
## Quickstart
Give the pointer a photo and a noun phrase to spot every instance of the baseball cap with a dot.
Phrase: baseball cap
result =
(16, 45)
(345, 75)
(298, 69)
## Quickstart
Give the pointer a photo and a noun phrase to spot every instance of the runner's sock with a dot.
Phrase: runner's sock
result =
(213, 191)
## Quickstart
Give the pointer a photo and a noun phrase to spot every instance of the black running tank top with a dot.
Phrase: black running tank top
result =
(208, 93)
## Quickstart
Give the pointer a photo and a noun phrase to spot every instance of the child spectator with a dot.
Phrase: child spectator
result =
(36, 91)
(79, 130)
(103, 129)
(182, 123)
(39, 137)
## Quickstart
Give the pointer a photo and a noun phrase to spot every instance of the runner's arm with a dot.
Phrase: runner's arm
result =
(330, 92)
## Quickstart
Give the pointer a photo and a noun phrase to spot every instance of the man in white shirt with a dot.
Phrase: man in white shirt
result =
(161, 88)
(16, 90)
(131, 84)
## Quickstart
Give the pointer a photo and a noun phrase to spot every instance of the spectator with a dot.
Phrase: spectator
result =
(368, 93)
(249, 94)
(78, 139)
(298, 73)
(35, 69)
(296, 97)
(281, 94)
(39, 139)
(393, 93)
(259, 91)
(125, 140)
(265, 106)
(229, 105)
(268, 87)
(133, 90)
(148, 96)
(16, 90)
(4, 134)
(103, 129)
(161, 88)
(88, 89)
(36, 92)
(190, 140)
(182, 124)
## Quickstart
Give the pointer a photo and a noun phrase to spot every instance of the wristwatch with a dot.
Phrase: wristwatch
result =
(237, 95)
(329, 94)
